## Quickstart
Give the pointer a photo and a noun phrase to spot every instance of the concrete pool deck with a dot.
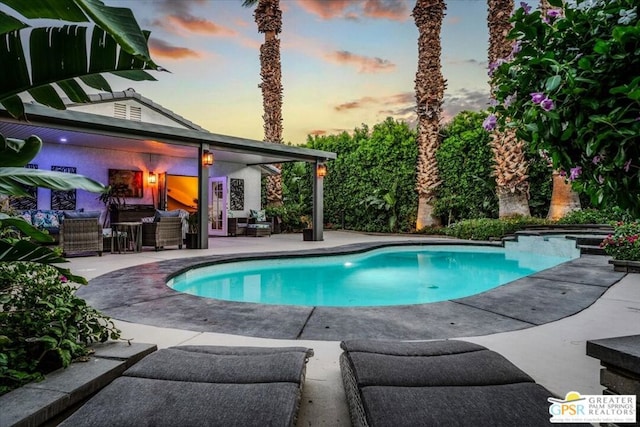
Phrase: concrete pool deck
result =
(505, 320)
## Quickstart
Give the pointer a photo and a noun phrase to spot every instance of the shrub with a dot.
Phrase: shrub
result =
(43, 325)
(624, 243)
(464, 162)
(596, 216)
(379, 163)
(488, 228)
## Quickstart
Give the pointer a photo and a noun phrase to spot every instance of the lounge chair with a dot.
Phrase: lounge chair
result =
(438, 383)
(203, 386)
(166, 231)
(79, 235)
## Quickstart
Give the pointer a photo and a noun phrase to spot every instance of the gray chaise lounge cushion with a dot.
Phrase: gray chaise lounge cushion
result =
(203, 386)
(438, 383)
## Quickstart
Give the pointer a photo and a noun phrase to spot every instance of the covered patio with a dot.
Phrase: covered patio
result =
(197, 147)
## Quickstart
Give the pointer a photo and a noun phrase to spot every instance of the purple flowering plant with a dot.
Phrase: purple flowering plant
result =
(584, 100)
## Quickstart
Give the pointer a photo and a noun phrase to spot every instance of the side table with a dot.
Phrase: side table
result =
(126, 235)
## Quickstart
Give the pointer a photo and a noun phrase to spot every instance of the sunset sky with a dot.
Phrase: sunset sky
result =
(344, 62)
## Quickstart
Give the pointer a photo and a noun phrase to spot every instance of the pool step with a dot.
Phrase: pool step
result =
(560, 241)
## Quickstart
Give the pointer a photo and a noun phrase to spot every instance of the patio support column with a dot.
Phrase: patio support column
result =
(318, 200)
(203, 199)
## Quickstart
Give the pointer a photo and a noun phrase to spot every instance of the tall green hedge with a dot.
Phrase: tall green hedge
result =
(373, 178)
(465, 163)
(371, 185)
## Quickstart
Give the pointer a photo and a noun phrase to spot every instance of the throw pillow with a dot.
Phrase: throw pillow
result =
(166, 214)
(45, 219)
(258, 215)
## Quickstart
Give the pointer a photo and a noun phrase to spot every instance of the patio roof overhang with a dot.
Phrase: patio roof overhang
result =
(91, 130)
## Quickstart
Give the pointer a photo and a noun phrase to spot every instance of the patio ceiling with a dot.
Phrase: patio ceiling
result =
(90, 130)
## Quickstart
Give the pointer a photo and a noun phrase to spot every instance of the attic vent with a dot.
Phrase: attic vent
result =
(135, 113)
(120, 111)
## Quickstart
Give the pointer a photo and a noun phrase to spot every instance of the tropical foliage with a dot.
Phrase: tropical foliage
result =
(43, 324)
(60, 54)
(566, 87)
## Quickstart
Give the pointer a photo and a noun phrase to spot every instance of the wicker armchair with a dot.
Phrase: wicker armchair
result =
(167, 231)
(81, 235)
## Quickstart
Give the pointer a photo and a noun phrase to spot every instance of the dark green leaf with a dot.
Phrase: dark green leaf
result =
(65, 10)
(47, 95)
(601, 47)
(552, 83)
(73, 90)
(14, 106)
(9, 23)
(121, 25)
(47, 179)
(135, 75)
(96, 81)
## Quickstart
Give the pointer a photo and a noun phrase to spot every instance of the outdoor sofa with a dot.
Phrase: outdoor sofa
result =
(438, 383)
(202, 386)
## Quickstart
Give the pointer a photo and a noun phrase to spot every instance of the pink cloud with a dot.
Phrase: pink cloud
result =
(162, 49)
(364, 64)
(453, 20)
(396, 10)
(399, 99)
(199, 25)
(325, 9)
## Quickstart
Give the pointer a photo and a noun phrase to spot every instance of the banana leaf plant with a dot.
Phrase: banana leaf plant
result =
(49, 47)
(62, 56)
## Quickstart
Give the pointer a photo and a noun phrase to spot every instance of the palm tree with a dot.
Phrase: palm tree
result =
(564, 198)
(268, 16)
(430, 85)
(510, 165)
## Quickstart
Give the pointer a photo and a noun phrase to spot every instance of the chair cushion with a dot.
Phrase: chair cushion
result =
(130, 401)
(435, 383)
(77, 214)
(166, 214)
(179, 365)
(202, 386)
(262, 226)
(520, 404)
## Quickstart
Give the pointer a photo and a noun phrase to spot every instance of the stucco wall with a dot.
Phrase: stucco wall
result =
(148, 115)
(95, 162)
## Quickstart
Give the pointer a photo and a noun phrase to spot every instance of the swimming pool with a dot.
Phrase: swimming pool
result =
(388, 276)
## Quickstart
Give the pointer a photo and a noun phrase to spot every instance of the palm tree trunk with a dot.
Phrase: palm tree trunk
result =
(564, 198)
(268, 16)
(429, 86)
(510, 162)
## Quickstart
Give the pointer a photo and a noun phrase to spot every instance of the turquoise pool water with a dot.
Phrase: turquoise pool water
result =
(389, 276)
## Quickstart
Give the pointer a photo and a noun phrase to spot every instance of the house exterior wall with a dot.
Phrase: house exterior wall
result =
(95, 163)
(149, 115)
(252, 184)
